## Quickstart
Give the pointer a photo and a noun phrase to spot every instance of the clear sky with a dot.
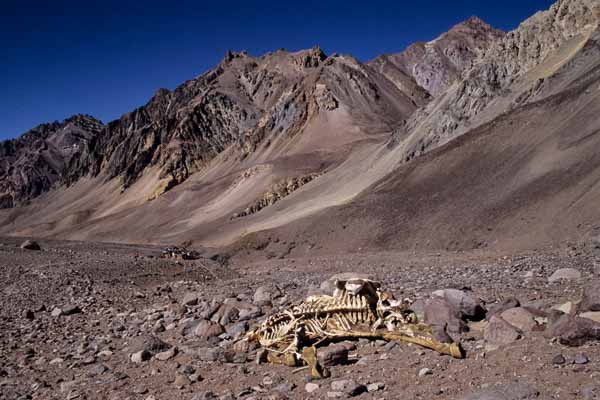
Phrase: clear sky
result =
(61, 58)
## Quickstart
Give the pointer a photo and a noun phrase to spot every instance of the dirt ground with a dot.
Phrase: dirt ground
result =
(124, 293)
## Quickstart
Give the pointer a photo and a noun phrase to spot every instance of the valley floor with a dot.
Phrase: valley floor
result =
(72, 315)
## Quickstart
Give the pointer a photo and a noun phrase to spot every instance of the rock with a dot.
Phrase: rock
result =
(443, 317)
(141, 356)
(469, 306)
(593, 315)
(581, 359)
(564, 274)
(502, 306)
(424, 371)
(520, 318)
(166, 355)
(56, 312)
(31, 245)
(265, 294)
(150, 344)
(311, 387)
(568, 308)
(375, 387)
(71, 309)
(558, 359)
(571, 330)
(347, 387)
(209, 354)
(190, 299)
(207, 329)
(512, 391)
(499, 333)
(208, 395)
(332, 355)
(181, 381)
(590, 300)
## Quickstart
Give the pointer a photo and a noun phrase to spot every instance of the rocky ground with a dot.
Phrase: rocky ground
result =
(100, 321)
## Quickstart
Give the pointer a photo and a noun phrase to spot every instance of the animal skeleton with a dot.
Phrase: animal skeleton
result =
(357, 309)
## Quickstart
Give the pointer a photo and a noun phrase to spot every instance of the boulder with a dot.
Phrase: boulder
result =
(444, 318)
(590, 300)
(469, 306)
(571, 330)
(564, 274)
(520, 318)
(499, 333)
(30, 245)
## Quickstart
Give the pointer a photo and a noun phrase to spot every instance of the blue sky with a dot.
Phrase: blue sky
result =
(61, 58)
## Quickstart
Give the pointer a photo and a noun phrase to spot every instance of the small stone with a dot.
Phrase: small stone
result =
(166, 355)
(374, 387)
(207, 329)
(425, 371)
(140, 390)
(71, 309)
(564, 274)
(208, 395)
(559, 359)
(348, 387)
(581, 359)
(190, 299)
(28, 314)
(332, 355)
(181, 381)
(593, 315)
(56, 312)
(568, 308)
(31, 245)
(311, 387)
(141, 356)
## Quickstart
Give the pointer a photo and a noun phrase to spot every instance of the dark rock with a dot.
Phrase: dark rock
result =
(571, 330)
(590, 300)
(30, 245)
(467, 305)
(71, 309)
(332, 355)
(150, 344)
(559, 359)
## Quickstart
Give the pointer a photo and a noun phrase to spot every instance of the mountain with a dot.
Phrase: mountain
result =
(476, 138)
(43, 157)
(437, 64)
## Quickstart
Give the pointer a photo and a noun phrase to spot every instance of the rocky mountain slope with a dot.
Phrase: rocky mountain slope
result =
(492, 139)
(437, 64)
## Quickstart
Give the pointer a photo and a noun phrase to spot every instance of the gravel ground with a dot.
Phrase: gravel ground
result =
(76, 318)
